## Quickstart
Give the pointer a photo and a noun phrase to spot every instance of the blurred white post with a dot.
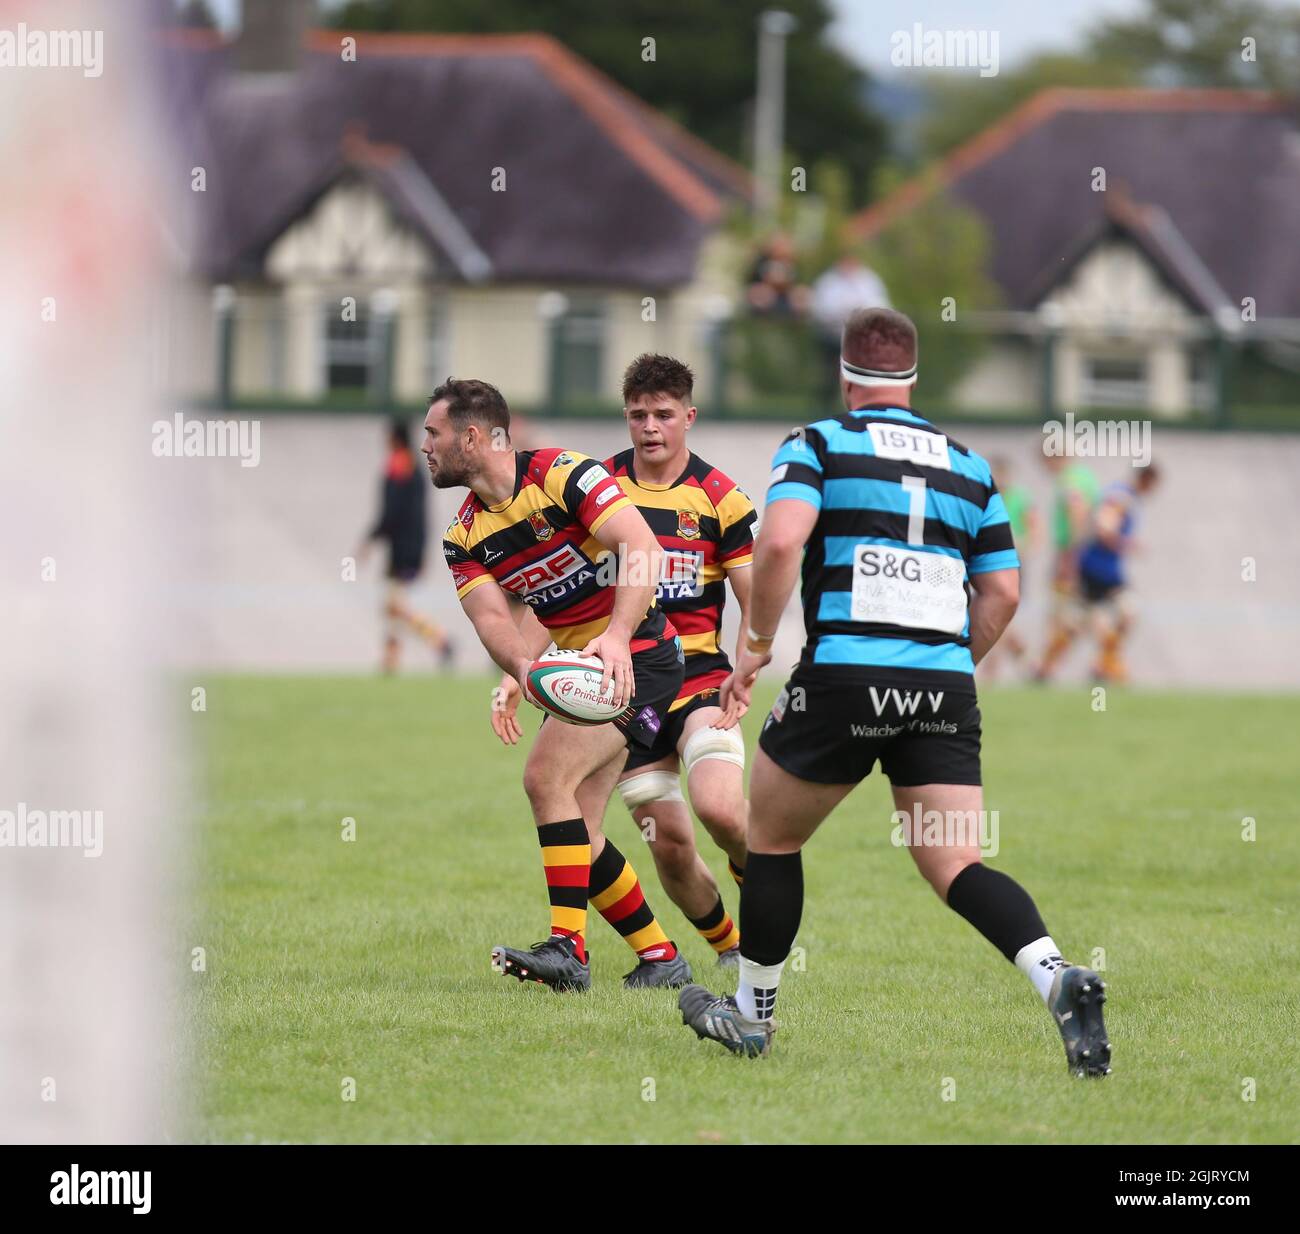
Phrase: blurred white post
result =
(91, 732)
(774, 25)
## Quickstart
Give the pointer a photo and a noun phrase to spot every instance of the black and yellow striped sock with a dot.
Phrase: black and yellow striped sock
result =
(616, 894)
(736, 872)
(566, 856)
(717, 928)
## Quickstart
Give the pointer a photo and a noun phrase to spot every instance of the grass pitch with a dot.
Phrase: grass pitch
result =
(359, 968)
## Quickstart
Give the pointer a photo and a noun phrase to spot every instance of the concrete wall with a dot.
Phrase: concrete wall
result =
(264, 587)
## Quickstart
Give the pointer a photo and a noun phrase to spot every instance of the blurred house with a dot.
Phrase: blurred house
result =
(472, 205)
(1129, 295)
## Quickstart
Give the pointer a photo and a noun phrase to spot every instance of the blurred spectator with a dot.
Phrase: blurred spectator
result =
(1103, 579)
(1026, 530)
(773, 289)
(849, 284)
(401, 522)
(1075, 490)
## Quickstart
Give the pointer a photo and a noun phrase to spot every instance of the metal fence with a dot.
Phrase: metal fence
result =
(559, 354)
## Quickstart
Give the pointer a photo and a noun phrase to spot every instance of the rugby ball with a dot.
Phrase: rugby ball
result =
(566, 685)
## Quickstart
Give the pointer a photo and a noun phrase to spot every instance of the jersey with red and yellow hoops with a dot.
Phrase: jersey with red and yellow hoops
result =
(705, 525)
(540, 546)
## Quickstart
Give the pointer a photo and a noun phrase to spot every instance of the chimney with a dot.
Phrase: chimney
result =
(272, 33)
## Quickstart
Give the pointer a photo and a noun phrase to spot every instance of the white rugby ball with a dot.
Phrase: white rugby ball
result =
(566, 685)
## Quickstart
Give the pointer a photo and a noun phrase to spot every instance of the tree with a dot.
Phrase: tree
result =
(703, 72)
(1203, 43)
(933, 259)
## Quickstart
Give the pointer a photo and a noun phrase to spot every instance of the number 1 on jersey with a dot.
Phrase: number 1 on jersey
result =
(915, 487)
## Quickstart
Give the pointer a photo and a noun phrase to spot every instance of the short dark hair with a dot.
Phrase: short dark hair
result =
(880, 338)
(653, 374)
(1147, 475)
(473, 401)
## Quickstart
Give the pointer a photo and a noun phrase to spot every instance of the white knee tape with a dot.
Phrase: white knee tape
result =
(651, 786)
(725, 744)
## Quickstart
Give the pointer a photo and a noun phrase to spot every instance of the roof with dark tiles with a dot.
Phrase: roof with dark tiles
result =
(600, 188)
(1213, 171)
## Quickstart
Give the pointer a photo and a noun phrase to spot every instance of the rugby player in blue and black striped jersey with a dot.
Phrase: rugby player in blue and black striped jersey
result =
(910, 575)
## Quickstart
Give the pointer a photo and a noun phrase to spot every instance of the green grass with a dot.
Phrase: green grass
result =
(328, 959)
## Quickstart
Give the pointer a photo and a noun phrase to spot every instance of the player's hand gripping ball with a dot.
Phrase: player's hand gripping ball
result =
(566, 685)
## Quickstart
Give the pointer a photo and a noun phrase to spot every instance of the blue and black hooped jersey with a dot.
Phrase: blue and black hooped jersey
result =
(906, 516)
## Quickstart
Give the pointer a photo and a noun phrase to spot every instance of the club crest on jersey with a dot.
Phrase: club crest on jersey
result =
(688, 525)
(541, 528)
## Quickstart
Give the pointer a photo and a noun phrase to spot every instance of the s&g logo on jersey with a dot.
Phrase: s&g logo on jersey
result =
(679, 574)
(873, 561)
(551, 580)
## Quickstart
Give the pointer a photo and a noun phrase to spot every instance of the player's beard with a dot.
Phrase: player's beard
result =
(452, 470)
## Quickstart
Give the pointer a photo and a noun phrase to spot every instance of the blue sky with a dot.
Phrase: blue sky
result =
(864, 26)
(1023, 27)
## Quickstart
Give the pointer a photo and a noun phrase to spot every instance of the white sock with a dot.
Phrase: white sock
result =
(1039, 962)
(757, 992)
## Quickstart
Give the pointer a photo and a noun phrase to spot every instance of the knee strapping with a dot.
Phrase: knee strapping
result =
(725, 744)
(650, 786)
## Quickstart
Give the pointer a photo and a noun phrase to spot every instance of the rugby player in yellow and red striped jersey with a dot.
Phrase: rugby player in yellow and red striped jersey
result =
(705, 526)
(530, 553)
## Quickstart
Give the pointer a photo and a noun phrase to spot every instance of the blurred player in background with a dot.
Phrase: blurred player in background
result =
(1075, 490)
(1026, 531)
(704, 524)
(1102, 577)
(401, 523)
(893, 523)
(527, 552)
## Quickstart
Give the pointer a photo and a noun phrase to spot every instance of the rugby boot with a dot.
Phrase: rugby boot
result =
(554, 963)
(650, 974)
(1075, 1003)
(721, 1020)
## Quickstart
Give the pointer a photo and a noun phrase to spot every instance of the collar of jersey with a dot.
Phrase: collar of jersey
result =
(652, 487)
(521, 467)
(888, 409)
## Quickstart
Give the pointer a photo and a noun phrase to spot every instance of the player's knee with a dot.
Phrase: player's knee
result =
(539, 782)
(724, 820)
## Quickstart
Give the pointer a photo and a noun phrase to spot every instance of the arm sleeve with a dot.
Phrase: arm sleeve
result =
(797, 469)
(466, 573)
(737, 516)
(585, 489)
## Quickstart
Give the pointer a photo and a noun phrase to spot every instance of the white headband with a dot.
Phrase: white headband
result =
(858, 376)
